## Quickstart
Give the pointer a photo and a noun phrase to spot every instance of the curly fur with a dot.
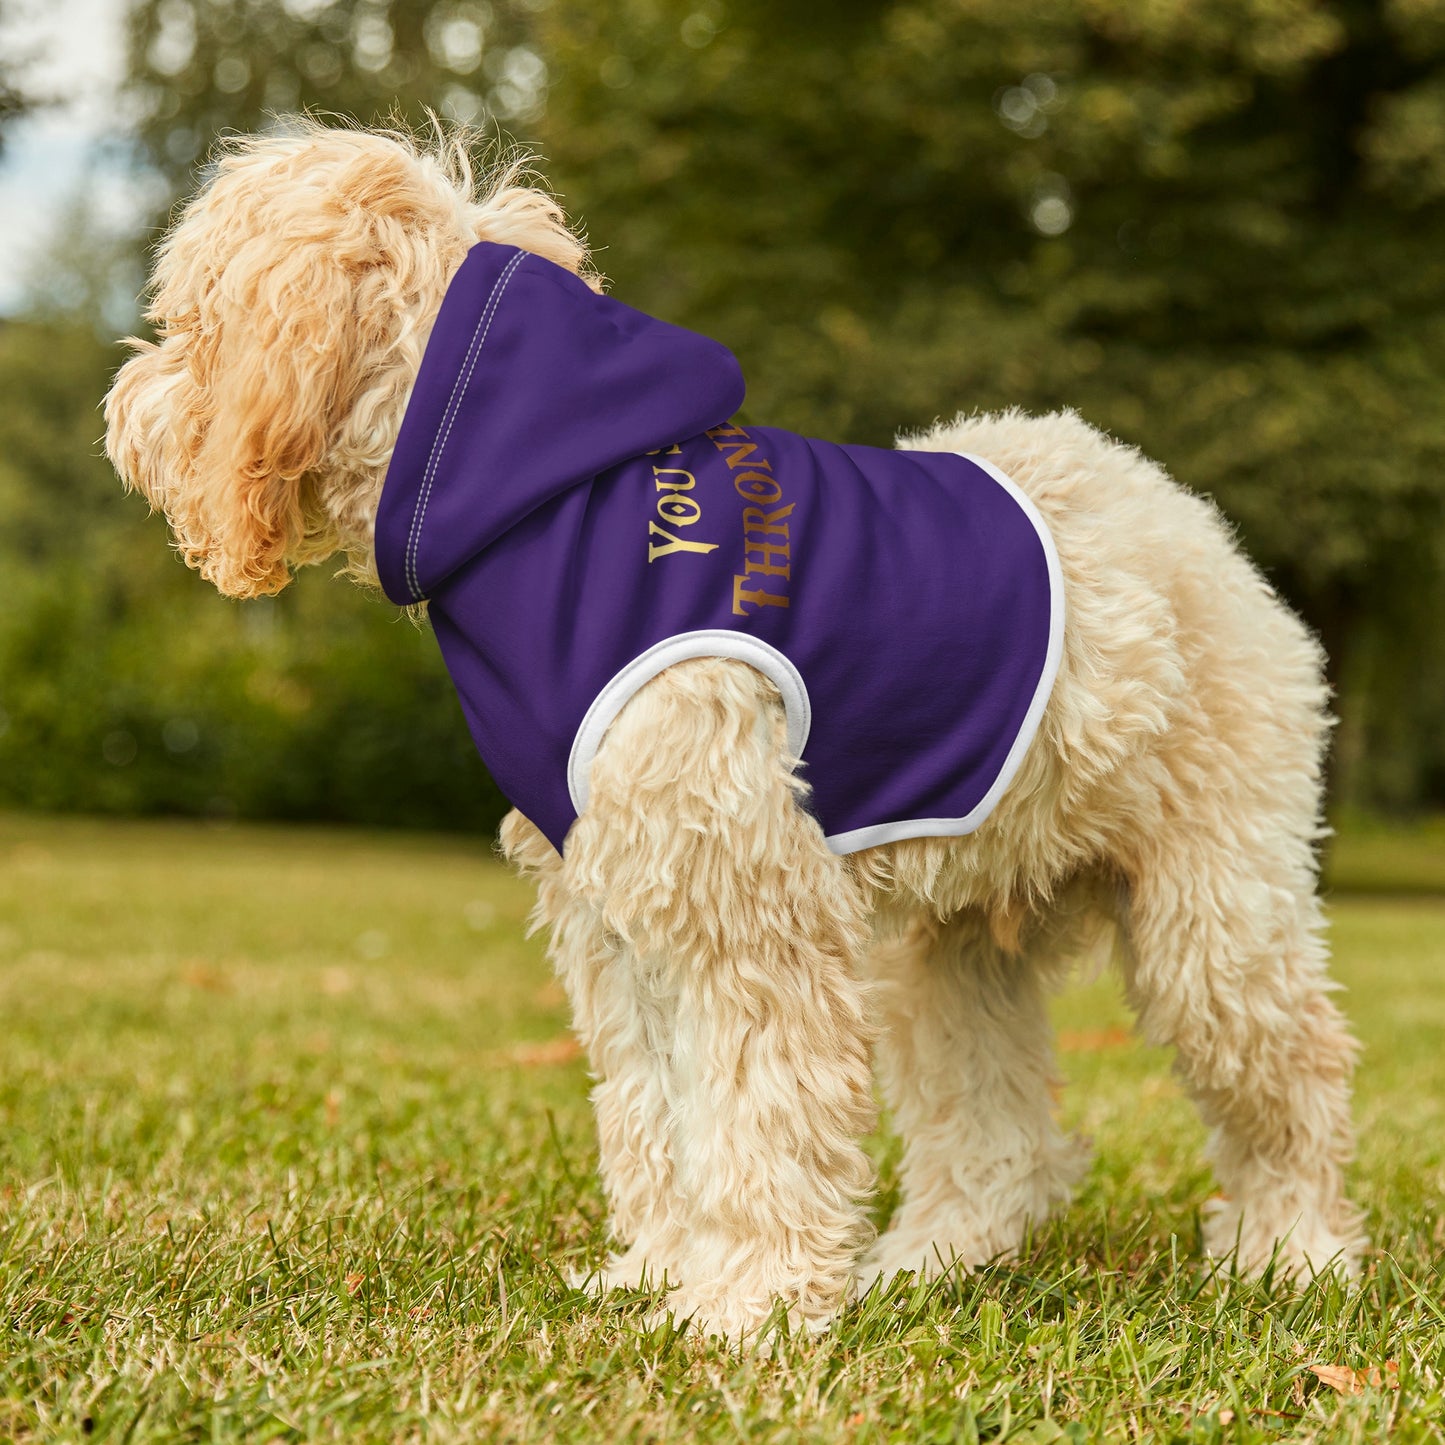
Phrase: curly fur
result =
(729, 976)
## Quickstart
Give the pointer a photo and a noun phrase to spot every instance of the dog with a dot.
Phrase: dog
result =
(731, 975)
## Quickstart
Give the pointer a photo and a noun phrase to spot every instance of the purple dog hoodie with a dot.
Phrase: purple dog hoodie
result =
(571, 497)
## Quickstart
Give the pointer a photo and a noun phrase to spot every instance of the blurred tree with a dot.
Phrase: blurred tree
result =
(125, 684)
(1216, 227)
(201, 67)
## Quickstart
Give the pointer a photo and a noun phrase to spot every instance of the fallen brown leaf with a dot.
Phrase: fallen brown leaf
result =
(197, 973)
(1347, 1381)
(354, 1282)
(1090, 1041)
(561, 1050)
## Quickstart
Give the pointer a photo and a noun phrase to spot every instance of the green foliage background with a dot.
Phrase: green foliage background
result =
(1214, 227)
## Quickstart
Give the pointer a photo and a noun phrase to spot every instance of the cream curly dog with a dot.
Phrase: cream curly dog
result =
(731, 975)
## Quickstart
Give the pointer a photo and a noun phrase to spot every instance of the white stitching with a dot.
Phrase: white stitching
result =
(448, 417)
(439, 442)
(412, 535)
(474, 348)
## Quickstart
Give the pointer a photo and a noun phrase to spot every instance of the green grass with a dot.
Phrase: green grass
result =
(1369, 855)
(284, 1155)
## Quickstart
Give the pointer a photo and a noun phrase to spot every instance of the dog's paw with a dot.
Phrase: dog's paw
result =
(633, 1270)
(955, 1244)
(741, 1323)
(1299, 1245)
(964, 1229)
(895, 1255)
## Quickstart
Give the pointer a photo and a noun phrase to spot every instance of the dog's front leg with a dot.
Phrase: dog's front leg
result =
(744, 930)
(624, 1024)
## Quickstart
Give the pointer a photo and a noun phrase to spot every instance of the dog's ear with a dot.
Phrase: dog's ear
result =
(147, 411)
(222, 423)
(284, 341)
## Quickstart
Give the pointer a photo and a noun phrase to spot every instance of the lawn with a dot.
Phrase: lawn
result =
(293, 1145)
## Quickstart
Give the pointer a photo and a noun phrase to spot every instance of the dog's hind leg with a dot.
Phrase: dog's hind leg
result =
(1228, 966)
(966, 1060)
(697, 856)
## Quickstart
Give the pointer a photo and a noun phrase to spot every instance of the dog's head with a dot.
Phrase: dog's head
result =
(292, 301)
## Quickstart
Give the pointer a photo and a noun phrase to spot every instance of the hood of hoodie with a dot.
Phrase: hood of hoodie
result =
(531, 384)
